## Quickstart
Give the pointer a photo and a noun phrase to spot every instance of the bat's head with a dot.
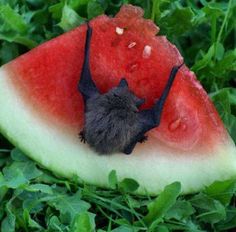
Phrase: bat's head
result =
(122, 98)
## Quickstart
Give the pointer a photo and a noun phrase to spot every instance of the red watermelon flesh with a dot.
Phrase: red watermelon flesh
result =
(42, 86)
(49, 80)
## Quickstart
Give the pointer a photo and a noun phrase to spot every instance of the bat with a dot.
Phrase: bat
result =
(113, 121)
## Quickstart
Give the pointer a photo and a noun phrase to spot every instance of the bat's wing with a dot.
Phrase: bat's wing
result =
(150, 118)
(86, 85)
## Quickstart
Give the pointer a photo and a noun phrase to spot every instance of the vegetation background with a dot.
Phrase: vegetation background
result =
(33, 199)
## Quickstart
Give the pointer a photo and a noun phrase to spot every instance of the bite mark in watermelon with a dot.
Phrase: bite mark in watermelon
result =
(42, 110)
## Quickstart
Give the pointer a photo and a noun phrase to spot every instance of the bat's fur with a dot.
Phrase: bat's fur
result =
(112, 118)
(113, 122)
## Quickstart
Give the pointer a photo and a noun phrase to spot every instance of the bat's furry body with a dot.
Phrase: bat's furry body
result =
(113, 122)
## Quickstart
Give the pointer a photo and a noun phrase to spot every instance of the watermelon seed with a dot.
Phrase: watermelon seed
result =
(132, 67)
(175, 124)
(131, 45)
(119, 31)
(147, 51)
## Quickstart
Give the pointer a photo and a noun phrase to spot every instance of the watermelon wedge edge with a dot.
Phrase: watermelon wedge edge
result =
(153, 164)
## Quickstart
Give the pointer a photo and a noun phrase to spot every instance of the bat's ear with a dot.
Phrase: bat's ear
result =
(123, 83)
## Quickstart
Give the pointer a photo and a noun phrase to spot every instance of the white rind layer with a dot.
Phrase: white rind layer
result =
(152, 166)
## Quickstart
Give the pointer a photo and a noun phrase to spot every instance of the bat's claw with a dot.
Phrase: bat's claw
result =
(143, 139)
(82, 137)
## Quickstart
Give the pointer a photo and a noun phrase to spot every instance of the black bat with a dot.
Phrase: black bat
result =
(113, 122)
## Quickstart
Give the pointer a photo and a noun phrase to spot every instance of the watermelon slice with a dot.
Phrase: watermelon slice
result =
(42, 111)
